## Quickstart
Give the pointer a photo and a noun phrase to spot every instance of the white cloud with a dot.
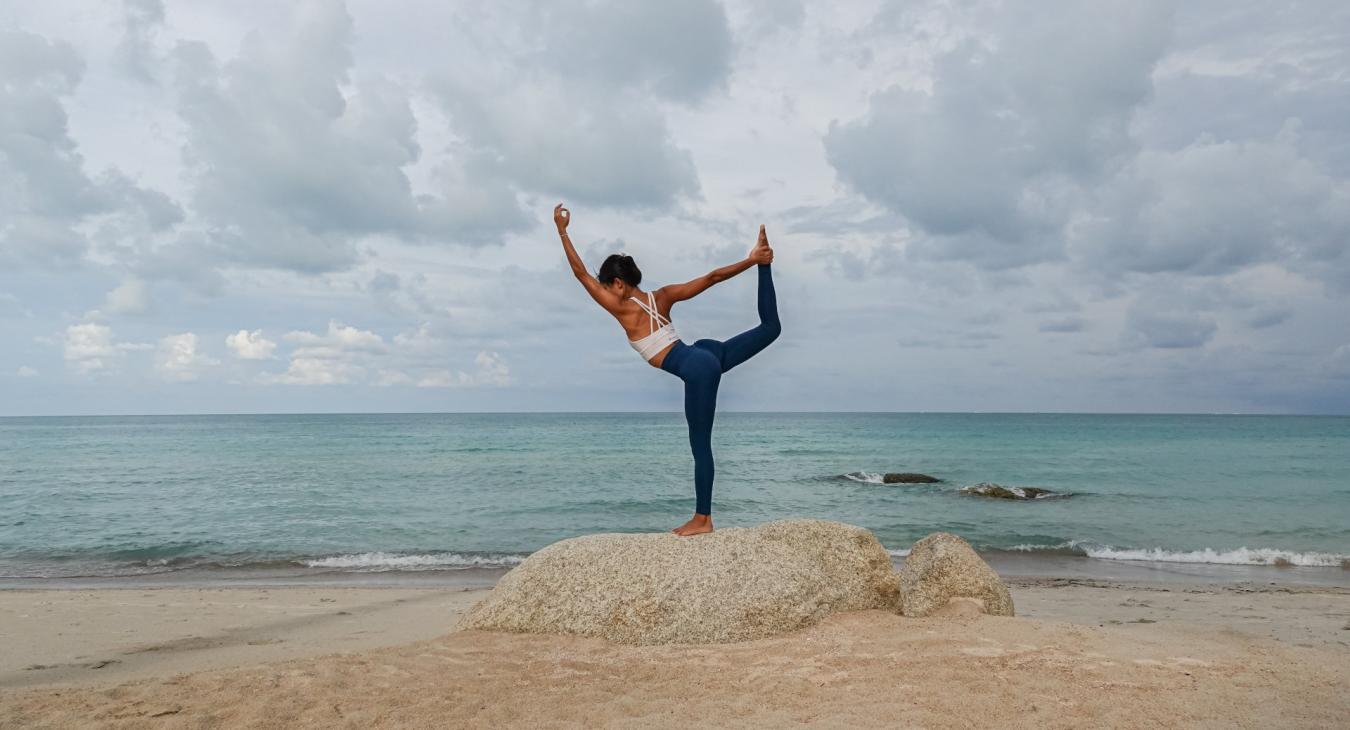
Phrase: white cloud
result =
(91, 347)
(316, 371)
(248, 345)
(26, 372)
(342, 354)
(491, 370)
(339, 341)
(177, 358)
(349, 355)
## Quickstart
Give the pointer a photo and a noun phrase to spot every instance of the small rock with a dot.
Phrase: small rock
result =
(908, 478)
(942, 567)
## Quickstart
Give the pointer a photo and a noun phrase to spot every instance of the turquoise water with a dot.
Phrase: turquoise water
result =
(92, 496)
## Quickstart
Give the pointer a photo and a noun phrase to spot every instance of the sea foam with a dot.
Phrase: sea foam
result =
(1238, 556)
(427, 561)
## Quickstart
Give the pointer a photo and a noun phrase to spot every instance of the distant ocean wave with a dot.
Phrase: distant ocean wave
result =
(105, 566)
(1238, 556)
(379, 561)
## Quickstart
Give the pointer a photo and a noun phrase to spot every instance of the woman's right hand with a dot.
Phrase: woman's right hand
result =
(561, 217)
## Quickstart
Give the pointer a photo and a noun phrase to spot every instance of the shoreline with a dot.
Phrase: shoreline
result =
(1010, 565)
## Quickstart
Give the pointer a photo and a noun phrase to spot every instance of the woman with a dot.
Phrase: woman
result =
(645, 317)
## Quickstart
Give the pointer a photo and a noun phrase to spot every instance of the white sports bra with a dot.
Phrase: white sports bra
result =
(659, 337)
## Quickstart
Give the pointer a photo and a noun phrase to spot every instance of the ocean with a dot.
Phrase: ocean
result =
(121, 499)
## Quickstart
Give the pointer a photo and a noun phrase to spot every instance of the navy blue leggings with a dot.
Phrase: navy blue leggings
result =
(701, 365)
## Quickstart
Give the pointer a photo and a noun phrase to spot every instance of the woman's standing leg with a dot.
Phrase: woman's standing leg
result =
(747, 344)
(700, 408)
(701, 371)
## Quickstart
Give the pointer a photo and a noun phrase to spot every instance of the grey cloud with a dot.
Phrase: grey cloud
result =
(990, 161)
(292, 172)
(1067, 324)
(603, 150)
(1166, 329)
(384, 282)
(1254, 65)
(45, 192)
(1216, 207)
(1268, 318)
(678, 50)
(135, 53)
(188, 260)
(765, 17)
(578, 118)
(28, 61)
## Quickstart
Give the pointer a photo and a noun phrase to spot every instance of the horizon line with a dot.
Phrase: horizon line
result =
(677, 412)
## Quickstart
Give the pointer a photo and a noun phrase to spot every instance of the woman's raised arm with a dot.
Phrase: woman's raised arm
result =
(760, 254)
(601, 295)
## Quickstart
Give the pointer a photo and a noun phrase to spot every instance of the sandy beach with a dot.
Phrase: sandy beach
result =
(1080, 652)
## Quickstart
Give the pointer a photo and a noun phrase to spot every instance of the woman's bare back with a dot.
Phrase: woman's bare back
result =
(637, 323)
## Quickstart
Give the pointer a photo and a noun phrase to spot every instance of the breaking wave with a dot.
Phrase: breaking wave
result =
(1238, 556)
(427, 561)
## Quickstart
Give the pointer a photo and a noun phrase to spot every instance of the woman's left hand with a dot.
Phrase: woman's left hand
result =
(761, 253)
(561, 217)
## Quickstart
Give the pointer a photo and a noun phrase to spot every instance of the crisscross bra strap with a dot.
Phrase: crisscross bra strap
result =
(653, 316)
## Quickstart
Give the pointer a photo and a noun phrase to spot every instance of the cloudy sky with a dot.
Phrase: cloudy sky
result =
(327, 206)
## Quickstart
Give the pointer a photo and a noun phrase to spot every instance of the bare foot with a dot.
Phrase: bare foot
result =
(696, 526)
(761, 253)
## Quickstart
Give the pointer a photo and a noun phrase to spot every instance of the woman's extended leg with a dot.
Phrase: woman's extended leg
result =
(747, 344)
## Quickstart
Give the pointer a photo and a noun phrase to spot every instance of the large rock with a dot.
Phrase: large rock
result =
(906, 477)
(943, 567)
(733, 584)
(998, 491)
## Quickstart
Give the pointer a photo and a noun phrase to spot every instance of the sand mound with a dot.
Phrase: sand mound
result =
(942, 567)
(734, 584)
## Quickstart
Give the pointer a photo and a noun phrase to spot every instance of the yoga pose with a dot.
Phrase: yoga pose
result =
(645, 317)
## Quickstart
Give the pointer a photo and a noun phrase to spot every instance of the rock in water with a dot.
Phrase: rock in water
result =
(941, 567)
(908, 478)
(986, 489)
(734, 584)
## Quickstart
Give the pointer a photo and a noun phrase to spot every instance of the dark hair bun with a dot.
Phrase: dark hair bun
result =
(621, 267)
